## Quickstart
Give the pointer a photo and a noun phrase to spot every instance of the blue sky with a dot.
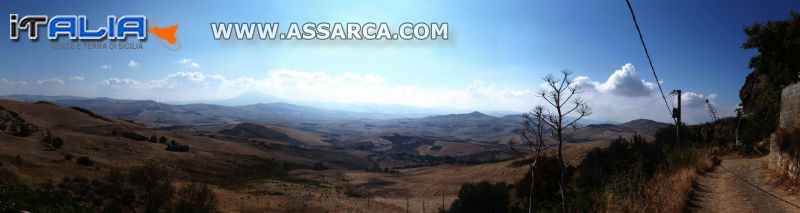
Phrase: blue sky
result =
(494, 59)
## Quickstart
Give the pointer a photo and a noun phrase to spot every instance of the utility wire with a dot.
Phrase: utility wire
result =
(658, 82)
(759, 188)
(634, 109)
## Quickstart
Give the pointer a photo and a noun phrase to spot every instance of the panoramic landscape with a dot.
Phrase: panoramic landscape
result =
(529, 109)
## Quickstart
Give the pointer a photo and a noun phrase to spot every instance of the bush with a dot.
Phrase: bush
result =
(57, 143)
(196, 198)
(19, 198)
(176, 147)
(133, 136)
(85, 161)
(153, 180)
(68, 157)
(319, 166)
(481, 197)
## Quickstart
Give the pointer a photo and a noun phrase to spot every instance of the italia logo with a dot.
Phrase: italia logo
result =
(75, 27)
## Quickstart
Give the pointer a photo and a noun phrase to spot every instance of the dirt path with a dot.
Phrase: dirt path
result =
(721, 191)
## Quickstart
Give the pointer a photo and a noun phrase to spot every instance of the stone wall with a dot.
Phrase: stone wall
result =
(790, 106)
(784, 156)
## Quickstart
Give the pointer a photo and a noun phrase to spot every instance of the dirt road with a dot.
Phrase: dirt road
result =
(721, 191)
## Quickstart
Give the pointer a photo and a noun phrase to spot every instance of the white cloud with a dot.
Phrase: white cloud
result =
(611, 101)
(185, 61)
(117, 81)
(625, 96)
(51, 81)
(624, 81)
(694, 100)
(105, 67)
(133, 64)
(77, 78)
(188, 62)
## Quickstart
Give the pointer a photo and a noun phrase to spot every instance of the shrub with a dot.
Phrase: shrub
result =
(133, 136)
(196, 198)
(481, 197)
(68, 156)
(85, 161)
(51, 141)
(153, 181)
(319, 166)
(19, 198)
(57, 143)
(176, 147)
(17, 160)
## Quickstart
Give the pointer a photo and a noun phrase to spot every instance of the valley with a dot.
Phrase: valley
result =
(270, 157)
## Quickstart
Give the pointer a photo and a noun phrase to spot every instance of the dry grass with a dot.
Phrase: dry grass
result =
(666, 191)
(669, 192)
(785, 155)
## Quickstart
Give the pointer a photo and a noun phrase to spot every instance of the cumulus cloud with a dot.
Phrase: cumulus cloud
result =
(133, 64)
(625, 95)
(188, 62)
(624, 81)
(105, 67)
(694, 100)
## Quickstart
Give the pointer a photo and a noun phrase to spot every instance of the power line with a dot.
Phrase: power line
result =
(634, 109)
(646, 52)
(759, 188)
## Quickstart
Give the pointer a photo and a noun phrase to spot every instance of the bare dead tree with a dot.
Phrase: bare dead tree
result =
(712, 110)
(560, 95)
(533, 136)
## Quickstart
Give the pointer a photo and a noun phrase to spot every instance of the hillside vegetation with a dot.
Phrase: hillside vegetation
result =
(775, 67)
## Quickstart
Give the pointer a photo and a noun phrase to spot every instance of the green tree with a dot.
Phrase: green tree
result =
(481, 197)
(775, 67)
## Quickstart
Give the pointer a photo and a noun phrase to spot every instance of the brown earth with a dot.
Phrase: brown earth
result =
(720, 190)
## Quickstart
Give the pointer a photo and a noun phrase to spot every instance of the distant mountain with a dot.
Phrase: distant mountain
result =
(247, 98)
(386, 110)
(34, 98)
(646, 128)
(159, 114)
(335, 125)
